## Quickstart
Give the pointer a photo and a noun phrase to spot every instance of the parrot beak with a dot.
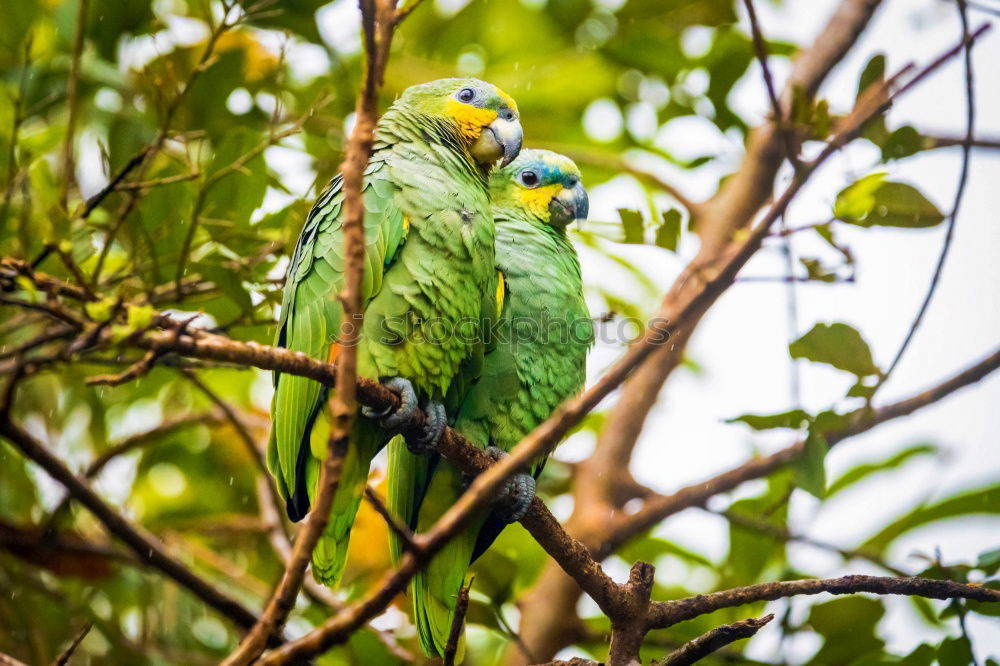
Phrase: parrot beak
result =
(570, 205)
(501, 140)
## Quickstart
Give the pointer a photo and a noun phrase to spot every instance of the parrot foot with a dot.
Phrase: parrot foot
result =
(395, 419)
(434, 426)
(516, 497)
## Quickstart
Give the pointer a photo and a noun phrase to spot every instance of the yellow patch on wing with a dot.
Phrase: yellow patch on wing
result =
(470, 120)
(537, 201)
(501, 292)
(406, 225)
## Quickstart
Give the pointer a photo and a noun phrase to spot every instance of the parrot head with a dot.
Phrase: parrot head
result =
(483, 117)
(544, 184)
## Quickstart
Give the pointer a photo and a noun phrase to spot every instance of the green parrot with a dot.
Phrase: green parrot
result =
(537, 361)
(429, 262)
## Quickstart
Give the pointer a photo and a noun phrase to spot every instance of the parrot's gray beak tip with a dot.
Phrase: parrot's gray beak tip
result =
(500, 142)
(511, 147)
(569, 206)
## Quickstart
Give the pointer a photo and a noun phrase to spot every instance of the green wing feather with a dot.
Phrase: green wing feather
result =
(311, 314)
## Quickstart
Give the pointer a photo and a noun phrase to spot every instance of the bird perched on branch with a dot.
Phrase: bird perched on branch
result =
(536, 361)
(429, 262)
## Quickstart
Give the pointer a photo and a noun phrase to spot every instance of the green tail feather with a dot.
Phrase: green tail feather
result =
(330, 554)
(435, 590)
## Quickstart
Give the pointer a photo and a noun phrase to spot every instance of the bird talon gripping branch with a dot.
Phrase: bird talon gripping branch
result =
(515, 499)
(395, 419)
(433, 428)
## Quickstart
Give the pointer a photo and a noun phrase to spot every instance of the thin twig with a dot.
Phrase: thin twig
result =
(714, 640)
(778, 118)
(153, 149)
(64, 656)
(72, 92)
(96, 200)
(405, 10)
(457, 625)
(402, 532)
(970, 126)
(130, 444)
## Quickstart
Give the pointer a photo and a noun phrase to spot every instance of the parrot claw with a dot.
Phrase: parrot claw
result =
(437, 419)
(395, 419)
(516, 497)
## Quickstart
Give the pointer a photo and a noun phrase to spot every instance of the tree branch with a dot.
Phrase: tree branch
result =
(668, 613)
(457, 625)
(714, 640)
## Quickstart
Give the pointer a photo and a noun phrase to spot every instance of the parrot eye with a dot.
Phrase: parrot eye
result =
(528, 178)
(466, 95)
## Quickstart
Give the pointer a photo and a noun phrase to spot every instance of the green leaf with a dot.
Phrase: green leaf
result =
(847, 626)
(838, 345)
(903, 142)
(955, 652)
(873, 72)
(632, 223)
(810, 469)
(817, 271)
(862, 472)
(237, 193)
(862, 390)
(874, 201)
(980, 501)
(226, 280)
(751, 550)
(923, 655)
(669, 233)
(16, 24)
(989, 561)
(793, 419)
(830, 421)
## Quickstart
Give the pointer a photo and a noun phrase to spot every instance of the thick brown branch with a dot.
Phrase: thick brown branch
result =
(714, 640)
(668, 613)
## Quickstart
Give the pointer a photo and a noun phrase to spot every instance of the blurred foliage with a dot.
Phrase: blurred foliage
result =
(206, 228)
